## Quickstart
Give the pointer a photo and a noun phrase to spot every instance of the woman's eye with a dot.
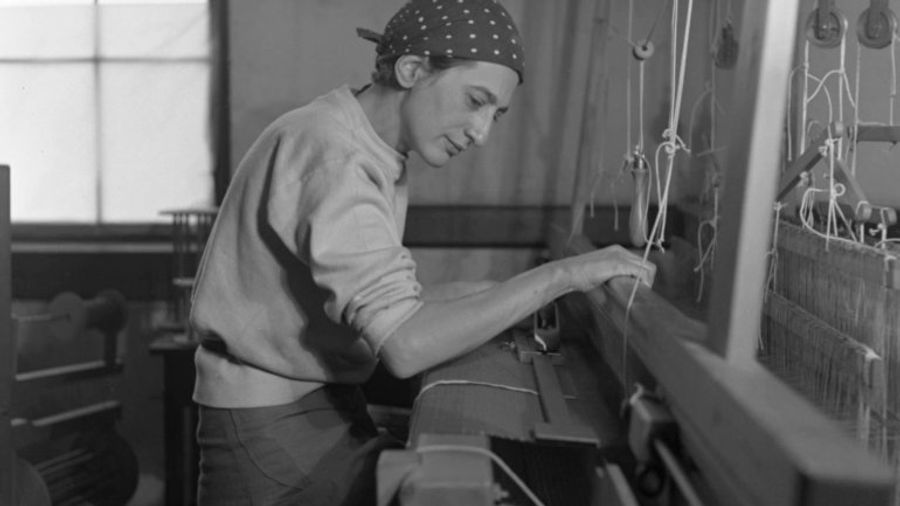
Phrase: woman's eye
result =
(475, 103)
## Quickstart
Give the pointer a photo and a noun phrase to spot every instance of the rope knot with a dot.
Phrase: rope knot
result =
(673, 143)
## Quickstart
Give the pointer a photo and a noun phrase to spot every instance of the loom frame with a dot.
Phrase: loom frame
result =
(753, 161)
(755, 441)
(7, 347)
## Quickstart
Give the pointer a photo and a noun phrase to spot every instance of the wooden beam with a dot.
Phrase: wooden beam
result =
(753, 162)
(878, 133)
(807, 160)
(755, 441)
(7, 349)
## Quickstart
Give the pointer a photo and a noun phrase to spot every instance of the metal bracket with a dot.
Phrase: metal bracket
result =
(541, 350)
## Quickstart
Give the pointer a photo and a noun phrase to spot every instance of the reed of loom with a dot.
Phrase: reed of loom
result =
(832, 329)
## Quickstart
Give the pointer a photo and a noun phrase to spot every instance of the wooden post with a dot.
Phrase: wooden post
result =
(768, 27)
(7, 349)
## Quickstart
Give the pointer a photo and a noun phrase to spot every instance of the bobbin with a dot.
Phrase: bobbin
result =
(637, 218)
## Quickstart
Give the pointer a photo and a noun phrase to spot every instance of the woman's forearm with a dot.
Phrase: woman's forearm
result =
(445, 328)
(454, 290)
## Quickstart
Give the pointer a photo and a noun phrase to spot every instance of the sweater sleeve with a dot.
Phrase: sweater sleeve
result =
(348, 236)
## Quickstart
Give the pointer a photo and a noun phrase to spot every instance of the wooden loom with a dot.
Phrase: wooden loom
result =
(743, 435)
(831, 328)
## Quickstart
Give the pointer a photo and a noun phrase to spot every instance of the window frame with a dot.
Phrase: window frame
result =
(33, 237)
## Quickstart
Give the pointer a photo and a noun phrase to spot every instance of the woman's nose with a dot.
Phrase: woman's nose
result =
(480, 128)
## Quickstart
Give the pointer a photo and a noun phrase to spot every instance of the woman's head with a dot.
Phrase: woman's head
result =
(457, 63)
(385, 75)
(448, 30)
(445, 111)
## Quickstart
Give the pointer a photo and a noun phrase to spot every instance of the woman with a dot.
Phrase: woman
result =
(305, 284)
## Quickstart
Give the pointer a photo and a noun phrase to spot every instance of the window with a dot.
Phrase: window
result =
(105, 108)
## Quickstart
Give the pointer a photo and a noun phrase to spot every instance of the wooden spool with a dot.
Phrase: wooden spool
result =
(96, 468)
(67, 315)
(30, 487)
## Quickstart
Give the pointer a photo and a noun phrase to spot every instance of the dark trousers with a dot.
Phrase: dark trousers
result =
(319, 450)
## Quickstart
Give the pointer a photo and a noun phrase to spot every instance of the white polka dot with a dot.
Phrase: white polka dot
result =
(493, 22)
(515, 56)
(424, 27)
(474, 49)
(449, 51)
(449, 23)
(471, 35)
(471, 21)
(496, 51)
(502, 13)
(513, 41)
(427, 52)
(404, 37)
(449, 36)
(487, 10)
(509, 26)
(444, 18)
(425, 38)
(465, 11)
(421, 18)
(496, 36)
(439, 7)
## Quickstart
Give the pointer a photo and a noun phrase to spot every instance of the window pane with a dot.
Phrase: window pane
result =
(155, 138)
(154, 31)
(49, 31)
(47, 137)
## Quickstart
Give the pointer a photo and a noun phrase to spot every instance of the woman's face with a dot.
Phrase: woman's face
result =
(447, 111)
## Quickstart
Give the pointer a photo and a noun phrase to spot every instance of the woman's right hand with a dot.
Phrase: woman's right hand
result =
(594, 268)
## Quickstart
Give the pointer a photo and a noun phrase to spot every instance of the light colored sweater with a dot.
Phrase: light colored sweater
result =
(304, 275)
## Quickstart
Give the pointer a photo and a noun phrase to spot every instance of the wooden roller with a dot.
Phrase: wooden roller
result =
(67, 315)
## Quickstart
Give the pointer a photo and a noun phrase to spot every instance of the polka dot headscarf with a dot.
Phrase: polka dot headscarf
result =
(468, 29)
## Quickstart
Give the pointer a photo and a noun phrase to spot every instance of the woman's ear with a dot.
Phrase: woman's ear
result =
(410, 68)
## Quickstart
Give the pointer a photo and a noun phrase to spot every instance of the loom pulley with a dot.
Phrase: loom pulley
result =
(643, 50)
(826, 25)
(877, 25)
